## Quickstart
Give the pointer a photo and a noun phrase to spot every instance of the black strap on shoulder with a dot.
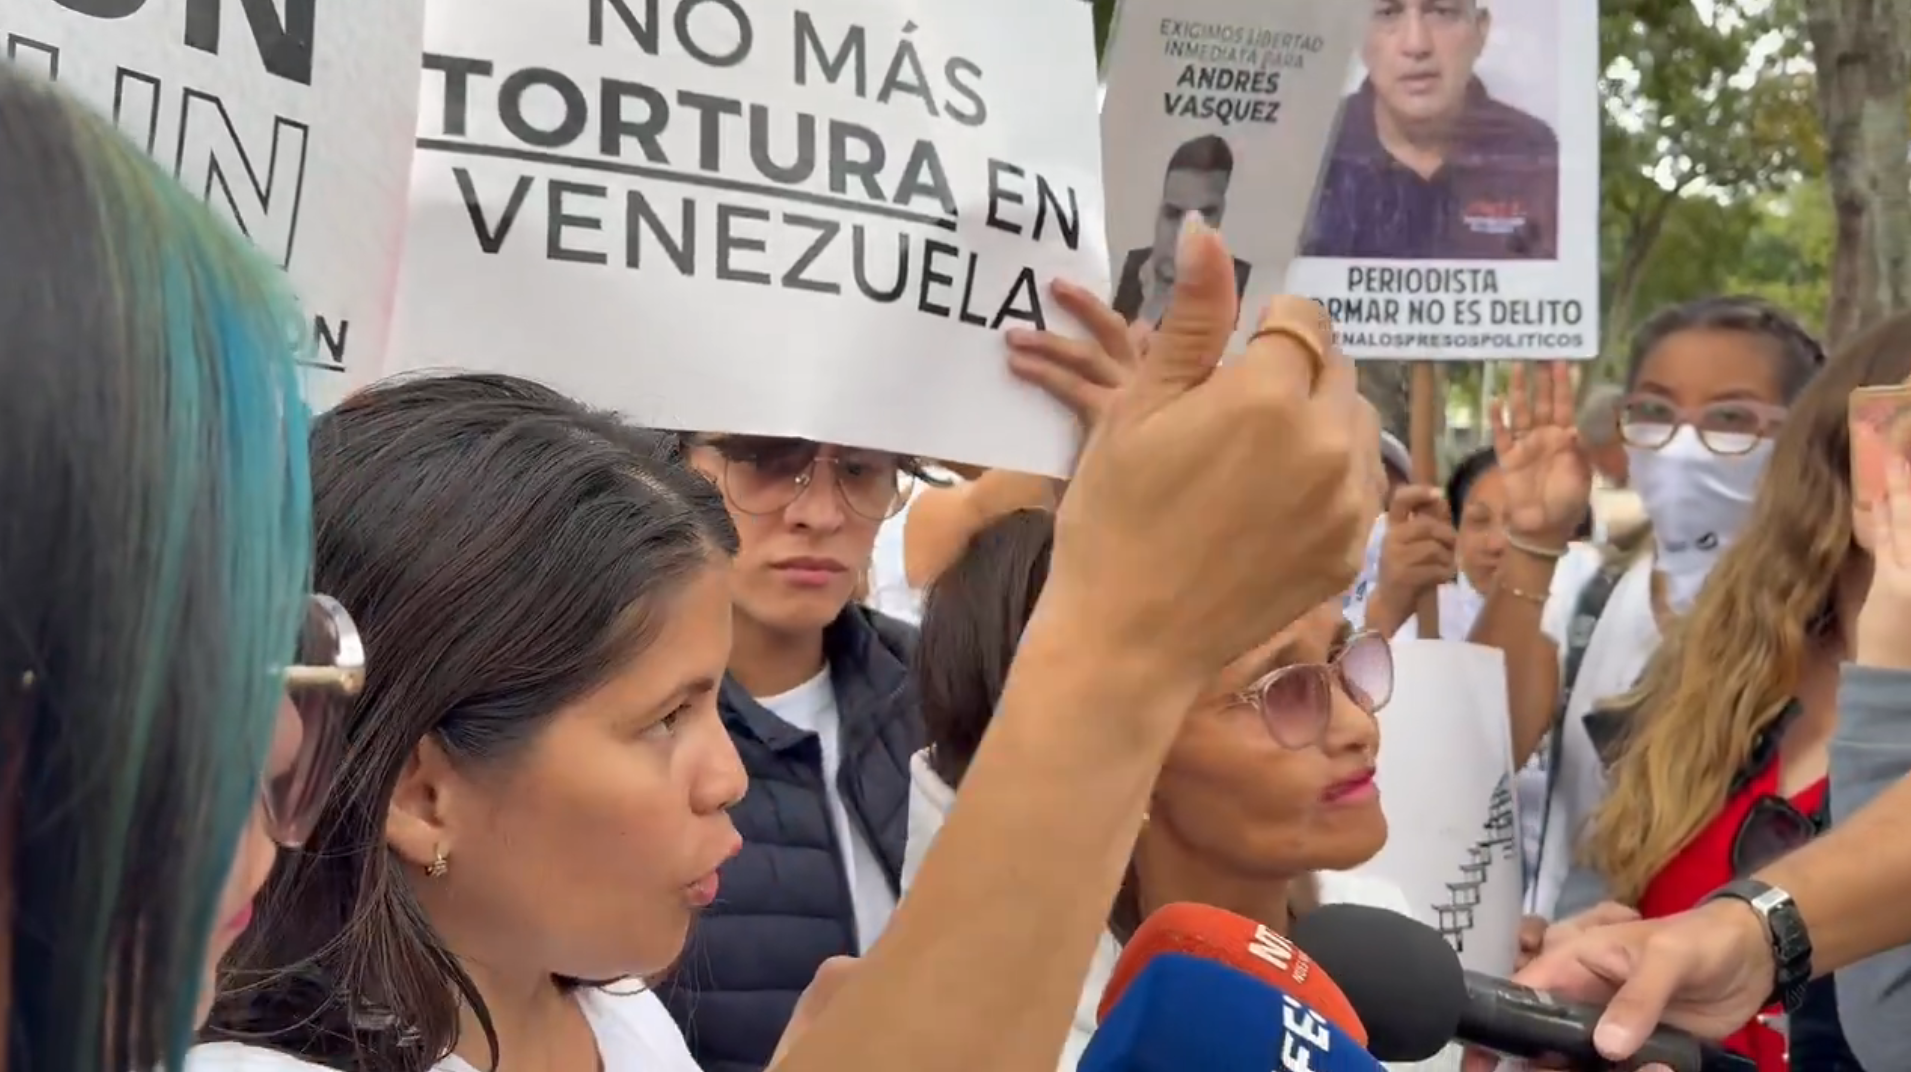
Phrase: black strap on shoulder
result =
(1591, 604)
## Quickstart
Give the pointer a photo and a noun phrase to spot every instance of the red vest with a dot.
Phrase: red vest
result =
(1705, 865)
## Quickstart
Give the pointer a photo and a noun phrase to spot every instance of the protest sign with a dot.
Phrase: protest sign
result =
(797, 218)
(1445, 782)
(292, 119)
(1225, 108)
(1458, 213)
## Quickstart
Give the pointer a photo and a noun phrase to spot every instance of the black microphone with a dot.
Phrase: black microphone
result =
(1406, 985)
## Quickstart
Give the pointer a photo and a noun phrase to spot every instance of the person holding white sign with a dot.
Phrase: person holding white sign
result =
(816, 699)
(812, 670)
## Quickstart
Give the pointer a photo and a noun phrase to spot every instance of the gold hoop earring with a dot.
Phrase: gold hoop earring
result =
(438, 866)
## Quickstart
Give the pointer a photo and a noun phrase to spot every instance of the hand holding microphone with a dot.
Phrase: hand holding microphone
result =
(1393, 969)
(1707, 970)
(1370, 978)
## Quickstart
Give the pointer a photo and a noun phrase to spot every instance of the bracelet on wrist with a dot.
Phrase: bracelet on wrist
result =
(1538, 599)
(1536, 550)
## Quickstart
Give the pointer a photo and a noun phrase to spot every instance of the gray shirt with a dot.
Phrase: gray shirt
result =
(1870, 752)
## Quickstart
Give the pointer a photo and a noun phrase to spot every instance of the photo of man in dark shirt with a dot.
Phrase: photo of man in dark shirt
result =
(1427, 165)
(1197, 179)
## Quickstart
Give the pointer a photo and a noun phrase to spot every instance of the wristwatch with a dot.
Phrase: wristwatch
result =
(1784, 929)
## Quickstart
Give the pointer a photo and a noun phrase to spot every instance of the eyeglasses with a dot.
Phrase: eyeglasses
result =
(1297, 701)
(1773, 828)
(321, 685)
(1728, 428)
(766, 478)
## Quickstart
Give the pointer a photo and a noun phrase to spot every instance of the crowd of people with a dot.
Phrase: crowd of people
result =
(470, 726)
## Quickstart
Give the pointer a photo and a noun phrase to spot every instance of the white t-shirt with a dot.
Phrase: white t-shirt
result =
(1622, 642)
(812, 706)
(634, 1034)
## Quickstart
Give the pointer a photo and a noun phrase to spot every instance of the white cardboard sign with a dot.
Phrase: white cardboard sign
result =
(1458, 213)
(809, 218)
(293, 119)
(1445, 782)
(1225, 108)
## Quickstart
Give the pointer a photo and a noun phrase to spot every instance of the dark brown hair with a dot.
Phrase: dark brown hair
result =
(972, 621)
(502, 549)
(1799, 354)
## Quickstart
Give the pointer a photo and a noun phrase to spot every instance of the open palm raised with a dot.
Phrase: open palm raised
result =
(1547, 478)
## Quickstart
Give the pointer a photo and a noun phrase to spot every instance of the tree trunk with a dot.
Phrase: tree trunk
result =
(1642, 235)
(1862, 51)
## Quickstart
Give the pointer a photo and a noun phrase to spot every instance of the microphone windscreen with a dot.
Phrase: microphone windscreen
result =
(1401, 977)
(1221, 936)
(1184, 1013)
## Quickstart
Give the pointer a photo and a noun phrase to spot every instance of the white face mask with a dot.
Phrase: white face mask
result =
(1697, 501)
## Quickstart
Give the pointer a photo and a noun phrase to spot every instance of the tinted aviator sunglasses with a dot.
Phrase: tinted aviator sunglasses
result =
(766, 476)
(320, 686)
(1297, 702)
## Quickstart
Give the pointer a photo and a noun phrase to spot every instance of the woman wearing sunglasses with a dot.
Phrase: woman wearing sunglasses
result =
(154, 555)
(1270, 781)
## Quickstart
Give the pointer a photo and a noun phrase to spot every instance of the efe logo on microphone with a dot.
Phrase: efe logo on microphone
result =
(1305, 1036)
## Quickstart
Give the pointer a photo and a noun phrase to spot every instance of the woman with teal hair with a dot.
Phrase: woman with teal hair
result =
(158, 648)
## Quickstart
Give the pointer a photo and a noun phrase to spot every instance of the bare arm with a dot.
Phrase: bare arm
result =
(982, 966)
(942, 521)
(1510, 621)
(1065, 784)
(1548, 484)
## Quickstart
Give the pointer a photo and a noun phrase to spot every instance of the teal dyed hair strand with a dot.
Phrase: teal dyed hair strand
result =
(190, 377)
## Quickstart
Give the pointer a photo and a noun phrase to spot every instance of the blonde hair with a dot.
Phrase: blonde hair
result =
(1727, 669)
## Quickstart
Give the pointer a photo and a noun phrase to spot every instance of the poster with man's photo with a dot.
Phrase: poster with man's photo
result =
(1220, 108)
(1457, 213)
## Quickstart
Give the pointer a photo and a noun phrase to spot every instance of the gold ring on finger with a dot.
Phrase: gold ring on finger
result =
(1308, 342)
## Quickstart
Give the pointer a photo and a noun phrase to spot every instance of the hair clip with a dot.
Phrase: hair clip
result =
(27, 679)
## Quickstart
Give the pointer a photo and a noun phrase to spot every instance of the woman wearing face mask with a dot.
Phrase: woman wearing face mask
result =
(1269, 781)
(1721, 756)
(1707, 386)
(153, 573)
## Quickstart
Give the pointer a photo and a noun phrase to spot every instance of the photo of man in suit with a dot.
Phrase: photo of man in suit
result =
(1427, 164)
(1197, 179)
